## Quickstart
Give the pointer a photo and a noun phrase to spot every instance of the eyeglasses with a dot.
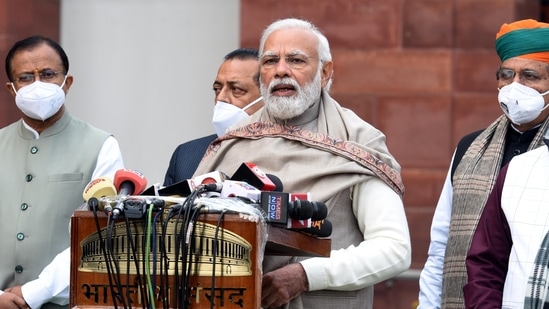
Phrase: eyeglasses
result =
(297, 61)
(46, 75)
(526, 76)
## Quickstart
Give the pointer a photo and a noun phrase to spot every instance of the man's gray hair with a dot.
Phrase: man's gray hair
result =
(323, 47)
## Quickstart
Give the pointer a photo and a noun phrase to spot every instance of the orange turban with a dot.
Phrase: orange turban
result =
(524, 38)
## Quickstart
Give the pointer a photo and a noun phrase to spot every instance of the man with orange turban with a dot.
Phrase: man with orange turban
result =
(523, 85)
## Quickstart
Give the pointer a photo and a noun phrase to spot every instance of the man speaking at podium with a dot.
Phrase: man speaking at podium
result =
(46, 160)
(312, 144)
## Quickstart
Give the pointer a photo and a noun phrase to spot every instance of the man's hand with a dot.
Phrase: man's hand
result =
(10, 300)
(282, 285)
(15, 290)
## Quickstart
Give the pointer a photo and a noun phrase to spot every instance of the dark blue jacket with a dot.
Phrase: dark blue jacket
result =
(185, 159)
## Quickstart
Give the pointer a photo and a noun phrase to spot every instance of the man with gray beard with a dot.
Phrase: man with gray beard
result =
(314, 145)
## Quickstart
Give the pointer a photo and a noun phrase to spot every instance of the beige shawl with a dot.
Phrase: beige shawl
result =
(343, 150)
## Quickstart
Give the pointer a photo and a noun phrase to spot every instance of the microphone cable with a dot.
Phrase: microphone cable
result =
(111, 259)
(191, 246)
(214, 257)
(131, 250)
(180, 241)
(148, 236)
(93, 202)
(155, 250)
(165, 261)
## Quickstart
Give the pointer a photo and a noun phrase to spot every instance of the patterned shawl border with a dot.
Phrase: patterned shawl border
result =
(320, 141)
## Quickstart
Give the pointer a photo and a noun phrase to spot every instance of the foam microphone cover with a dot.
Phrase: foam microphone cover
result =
(98, 188)
(303, 209)
(300, 210)
(277, 182)
(129, 182)
(320, 211)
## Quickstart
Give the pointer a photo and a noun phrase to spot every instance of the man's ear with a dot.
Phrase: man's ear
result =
(327, 72)
(68, 83)
(10, 88)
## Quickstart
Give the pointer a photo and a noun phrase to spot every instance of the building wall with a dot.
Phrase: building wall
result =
(144, 71)
(20, 19)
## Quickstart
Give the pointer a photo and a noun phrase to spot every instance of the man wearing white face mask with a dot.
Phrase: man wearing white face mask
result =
(227, 114)
(46, 160)
(237, 96)
(523, 85)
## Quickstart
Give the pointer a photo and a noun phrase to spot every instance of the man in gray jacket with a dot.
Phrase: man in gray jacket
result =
(46, 159)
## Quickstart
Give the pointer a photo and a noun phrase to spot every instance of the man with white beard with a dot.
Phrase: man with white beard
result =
(314, 145)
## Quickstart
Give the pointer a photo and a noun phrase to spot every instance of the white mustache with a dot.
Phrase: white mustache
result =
(284, 81)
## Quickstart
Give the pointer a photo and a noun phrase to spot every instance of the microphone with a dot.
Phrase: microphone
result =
(185, 187)
(233, 188)
(280, 209)
(295, 223)
(250, 173)
(277, 183)
(99, 188)
(136, 207)
(208, 178)
(275, 205)
(322, 228)
(303, 209)
(128, 182)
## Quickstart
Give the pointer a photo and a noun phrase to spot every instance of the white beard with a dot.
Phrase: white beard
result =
(290, 107)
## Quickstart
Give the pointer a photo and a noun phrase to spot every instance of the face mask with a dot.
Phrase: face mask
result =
(520, 103)
(226, 115)
(40, 100)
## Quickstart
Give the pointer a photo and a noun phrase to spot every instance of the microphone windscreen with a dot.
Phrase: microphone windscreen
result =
(99, 187)
(277, 182)
(303, 209)
(320, 211)
(300, 209)
(125, 176)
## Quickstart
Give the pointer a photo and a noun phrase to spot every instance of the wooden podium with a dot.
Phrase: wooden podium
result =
(230, 277)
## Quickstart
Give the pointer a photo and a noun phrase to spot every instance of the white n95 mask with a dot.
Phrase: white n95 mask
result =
(521, 104)
(226, 115)
(40, 100)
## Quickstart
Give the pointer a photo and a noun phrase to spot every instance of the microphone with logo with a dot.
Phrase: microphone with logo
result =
(96, 194)
(286, 209)
(319, 228)
(253, 175)
(280, 210)
(246, 183)
(184, 187)
(128, 182)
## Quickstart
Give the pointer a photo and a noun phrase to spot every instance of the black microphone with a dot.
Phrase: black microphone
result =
(278, 187)
(136, 207)
(303, 209)
(322, 228)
